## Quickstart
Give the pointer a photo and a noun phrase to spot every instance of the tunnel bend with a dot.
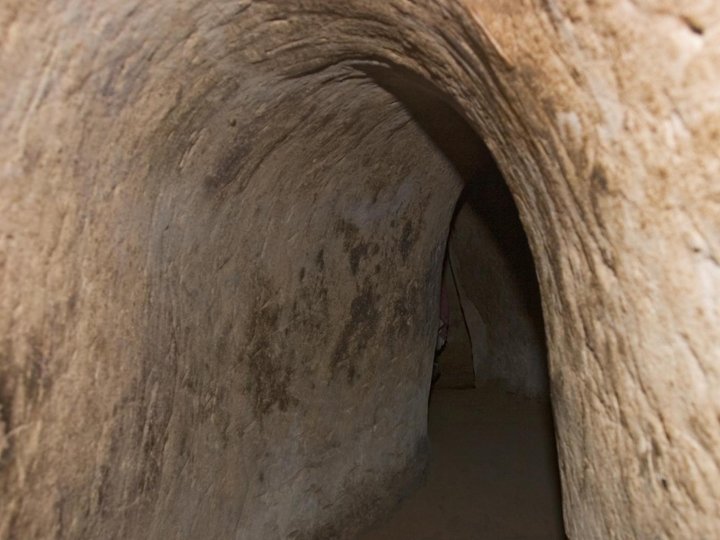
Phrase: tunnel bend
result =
(206, 176)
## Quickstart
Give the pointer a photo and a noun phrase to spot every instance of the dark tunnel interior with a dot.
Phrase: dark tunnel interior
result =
(490, 415)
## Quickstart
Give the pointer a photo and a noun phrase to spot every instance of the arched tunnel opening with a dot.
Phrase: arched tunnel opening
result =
(223, 229)
(492, 470)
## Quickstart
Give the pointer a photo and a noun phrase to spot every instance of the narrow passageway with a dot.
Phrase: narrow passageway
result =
(492, 472)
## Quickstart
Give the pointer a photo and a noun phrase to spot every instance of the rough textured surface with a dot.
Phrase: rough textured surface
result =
(222, 226)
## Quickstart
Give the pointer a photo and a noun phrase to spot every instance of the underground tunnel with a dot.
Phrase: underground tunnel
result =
(492, 470)
(223, 228)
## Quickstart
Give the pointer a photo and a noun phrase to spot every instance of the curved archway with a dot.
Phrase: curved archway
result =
(209, 323)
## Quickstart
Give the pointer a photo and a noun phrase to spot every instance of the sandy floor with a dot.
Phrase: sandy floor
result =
(493, 473)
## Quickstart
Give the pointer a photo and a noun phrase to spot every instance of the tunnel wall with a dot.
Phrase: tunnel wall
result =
(210, 299)
(221, 243)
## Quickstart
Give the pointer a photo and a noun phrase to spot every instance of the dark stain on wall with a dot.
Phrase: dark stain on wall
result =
(320, 259)
(36, 376)
(404, 305)
(353, 244)
(357, 248)
(349, 232)
(599, 178)
(360, 327)
(6, 409)
(408, 237)
(598, 195)
(227, 170)
(269, 379)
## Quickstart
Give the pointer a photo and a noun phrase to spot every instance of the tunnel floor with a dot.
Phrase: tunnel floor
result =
(492, 472)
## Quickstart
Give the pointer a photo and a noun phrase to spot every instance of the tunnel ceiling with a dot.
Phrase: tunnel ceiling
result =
(221, 233)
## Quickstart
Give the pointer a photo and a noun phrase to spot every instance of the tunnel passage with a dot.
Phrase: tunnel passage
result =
(289, 270)
(493, 470)
(259, 264)
(497, 330)
(291, 266)
(221, 236)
